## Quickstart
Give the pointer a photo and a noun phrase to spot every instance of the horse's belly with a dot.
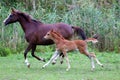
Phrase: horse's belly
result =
(45, 42)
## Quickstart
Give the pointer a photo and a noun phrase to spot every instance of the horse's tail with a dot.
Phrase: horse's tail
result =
(93, 40)
(79, 32)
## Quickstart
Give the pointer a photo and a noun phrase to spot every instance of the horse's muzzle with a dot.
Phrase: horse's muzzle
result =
(5, 23)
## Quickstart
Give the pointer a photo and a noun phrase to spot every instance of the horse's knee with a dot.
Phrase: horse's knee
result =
(33, 55)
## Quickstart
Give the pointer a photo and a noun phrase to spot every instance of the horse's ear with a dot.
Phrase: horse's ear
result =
(13, 10)
(52, 30)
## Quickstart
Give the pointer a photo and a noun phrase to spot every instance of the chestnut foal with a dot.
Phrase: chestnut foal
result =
(64, 46)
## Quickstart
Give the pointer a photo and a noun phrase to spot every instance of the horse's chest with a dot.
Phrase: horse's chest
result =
(31, 37)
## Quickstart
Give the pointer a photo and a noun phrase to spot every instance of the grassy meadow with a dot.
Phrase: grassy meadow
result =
(12, 67)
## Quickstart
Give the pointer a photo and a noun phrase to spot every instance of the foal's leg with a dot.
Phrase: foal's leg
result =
(61, 57)
(25, 55)
(33, 50)
(98, 62)
(67, 60)
(85, 51)
(52, 58)
(55, 59)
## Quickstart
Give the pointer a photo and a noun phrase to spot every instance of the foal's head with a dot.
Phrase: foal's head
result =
(52, 34)
(15, 16)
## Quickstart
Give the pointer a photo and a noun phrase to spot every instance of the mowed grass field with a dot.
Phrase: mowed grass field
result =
(12, 67)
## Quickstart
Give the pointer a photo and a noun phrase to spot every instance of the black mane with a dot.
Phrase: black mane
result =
(37, 21)
(28, 17)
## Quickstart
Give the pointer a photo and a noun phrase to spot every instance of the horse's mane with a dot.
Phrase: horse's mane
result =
(58, 35)
(37, 21)
(28, 17)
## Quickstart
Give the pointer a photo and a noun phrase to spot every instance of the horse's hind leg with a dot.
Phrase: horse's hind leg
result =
(33, 50)
(25, 55)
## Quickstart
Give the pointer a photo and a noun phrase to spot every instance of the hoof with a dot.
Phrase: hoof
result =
(43, 67)
(44, 60)
(67, 69)
(102, 66)
(53, 63)
(92, 69)
(61, 62)
(28, 66)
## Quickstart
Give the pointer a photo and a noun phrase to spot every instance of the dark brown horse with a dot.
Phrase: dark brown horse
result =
(35, 31)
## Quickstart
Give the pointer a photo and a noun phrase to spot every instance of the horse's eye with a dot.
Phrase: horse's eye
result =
(11, 15)
(48, 34)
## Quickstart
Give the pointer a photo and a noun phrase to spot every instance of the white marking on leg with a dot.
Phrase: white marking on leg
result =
(98, 62)
(52, 58)
(27, 62)
(68, 64)
(92, 63)
(55, 59)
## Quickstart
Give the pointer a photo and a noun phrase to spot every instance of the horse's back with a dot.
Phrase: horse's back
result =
(81, 43)
(64, 29)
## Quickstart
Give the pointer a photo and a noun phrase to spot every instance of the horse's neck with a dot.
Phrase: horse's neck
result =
(23, 24)
(58, 40)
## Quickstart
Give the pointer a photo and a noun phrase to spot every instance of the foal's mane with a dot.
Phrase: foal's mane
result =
(58, 35)
(28, 17)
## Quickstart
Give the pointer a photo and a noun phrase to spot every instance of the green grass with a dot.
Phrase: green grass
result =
(12, 67)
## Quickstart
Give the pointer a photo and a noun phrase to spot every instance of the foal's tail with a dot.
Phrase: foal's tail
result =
(93, 40)
(79, 32)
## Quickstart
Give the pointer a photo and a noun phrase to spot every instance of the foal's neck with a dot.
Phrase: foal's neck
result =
(58, 40)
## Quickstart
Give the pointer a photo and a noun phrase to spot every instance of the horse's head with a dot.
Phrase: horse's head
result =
(12, 17)
(49, 34)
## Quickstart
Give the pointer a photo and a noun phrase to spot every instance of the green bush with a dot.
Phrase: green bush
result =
(4, 51)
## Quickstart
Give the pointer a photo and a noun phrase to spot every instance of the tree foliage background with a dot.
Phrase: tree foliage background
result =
(100, 17)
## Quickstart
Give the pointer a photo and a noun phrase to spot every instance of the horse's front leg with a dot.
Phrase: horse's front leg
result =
(52, 58)
(33, 50)
(25, 55)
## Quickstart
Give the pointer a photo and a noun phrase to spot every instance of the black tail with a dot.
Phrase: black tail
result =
(79, 32)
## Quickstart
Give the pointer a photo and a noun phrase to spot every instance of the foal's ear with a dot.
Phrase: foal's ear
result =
(52, 30)
(13, 10)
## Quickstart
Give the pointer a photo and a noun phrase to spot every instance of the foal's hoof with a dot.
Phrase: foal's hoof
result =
(61, 62)
(53, 63)
(102, 66)
(67, 69)
(43, 67)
